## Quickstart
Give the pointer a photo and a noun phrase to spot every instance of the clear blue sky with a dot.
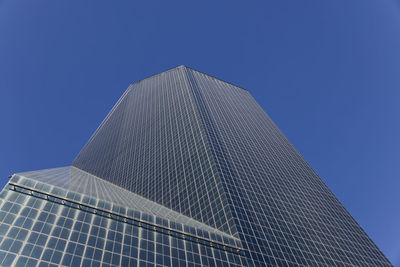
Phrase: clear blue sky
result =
(327, 72)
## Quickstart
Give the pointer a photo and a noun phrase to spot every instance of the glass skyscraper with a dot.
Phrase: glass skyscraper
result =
(186, 170)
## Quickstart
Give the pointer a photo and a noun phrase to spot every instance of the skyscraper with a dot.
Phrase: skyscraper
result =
(186, 170)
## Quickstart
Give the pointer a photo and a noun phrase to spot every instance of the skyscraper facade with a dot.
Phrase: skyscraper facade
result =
(186, 170)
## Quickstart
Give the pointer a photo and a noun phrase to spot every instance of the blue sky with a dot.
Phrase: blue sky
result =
(327, 72)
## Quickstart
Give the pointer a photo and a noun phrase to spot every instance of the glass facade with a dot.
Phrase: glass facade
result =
(186, 170)
(66, 216)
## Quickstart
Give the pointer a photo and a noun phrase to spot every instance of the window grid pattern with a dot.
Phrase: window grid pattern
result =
(113, 209)
(284, 212)
(153, 144)
(71, 182)
(35, 231)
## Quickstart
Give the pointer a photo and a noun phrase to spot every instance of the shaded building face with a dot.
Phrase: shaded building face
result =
(186, 170)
